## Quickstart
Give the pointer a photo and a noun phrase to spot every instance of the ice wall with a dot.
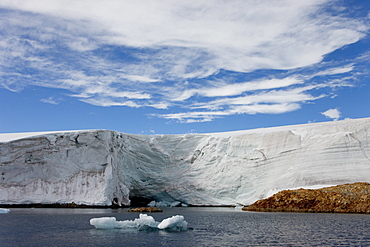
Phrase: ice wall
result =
(99, 167)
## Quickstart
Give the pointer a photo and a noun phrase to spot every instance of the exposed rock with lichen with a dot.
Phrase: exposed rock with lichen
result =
(145, 210)
(346, 198)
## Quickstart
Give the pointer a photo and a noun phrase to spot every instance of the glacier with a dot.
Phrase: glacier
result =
(103, 167)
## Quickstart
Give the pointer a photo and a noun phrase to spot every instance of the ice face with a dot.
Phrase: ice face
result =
(175, 223)
(101, 167)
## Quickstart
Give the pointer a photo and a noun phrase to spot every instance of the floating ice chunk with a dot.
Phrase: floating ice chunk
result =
(104, 223)
(4, 210)
(145, 220)
(112, 223)
(175, 222)
(143, 223)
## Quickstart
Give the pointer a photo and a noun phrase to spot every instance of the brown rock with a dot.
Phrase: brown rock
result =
(346, 198)
(145, 210)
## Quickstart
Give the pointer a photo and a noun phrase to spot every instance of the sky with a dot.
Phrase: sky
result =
(185, 66)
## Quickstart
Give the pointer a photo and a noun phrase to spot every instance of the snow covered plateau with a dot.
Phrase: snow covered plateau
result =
(101, 167)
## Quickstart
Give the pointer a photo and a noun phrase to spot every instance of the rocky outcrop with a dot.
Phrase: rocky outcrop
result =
(346, 198)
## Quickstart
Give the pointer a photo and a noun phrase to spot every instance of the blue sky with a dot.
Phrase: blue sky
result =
(172, 67)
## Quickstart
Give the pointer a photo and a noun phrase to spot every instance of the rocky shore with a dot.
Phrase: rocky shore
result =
(346, 198)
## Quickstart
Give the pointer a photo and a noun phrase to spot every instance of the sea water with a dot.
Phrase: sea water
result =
(206, 227)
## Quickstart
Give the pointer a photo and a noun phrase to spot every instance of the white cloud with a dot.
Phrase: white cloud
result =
(105, 102)
(191, 117)
(266, 102)
(296, 95)
(206, 116)
(235, 35)
(334, 114)
(51, 100)
(238, 88)
(336, 70)
(162, 53)
(140, 78)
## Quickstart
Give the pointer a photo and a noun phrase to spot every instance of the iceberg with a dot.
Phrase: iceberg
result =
(4, 210)
(144, 222)
(105, 223)
(103, 167)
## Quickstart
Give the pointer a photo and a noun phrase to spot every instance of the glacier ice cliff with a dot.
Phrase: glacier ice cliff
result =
(101, 167)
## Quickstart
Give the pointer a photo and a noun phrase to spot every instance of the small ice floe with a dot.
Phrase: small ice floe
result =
(4, 210)
(174, 223)
(143, 223)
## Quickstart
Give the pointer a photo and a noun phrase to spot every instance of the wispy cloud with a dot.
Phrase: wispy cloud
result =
(336, 70)
(265, 102)
(51, 100)
(233, 89)
(206, 116)
(204, 57)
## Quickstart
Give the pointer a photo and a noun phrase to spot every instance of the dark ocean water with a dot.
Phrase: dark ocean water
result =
(210, 227)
